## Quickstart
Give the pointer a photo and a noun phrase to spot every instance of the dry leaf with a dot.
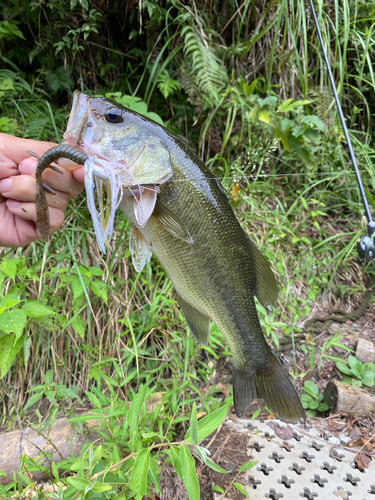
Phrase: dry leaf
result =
(362, 460)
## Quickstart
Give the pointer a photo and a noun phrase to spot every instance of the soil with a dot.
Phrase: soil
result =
(228, 450)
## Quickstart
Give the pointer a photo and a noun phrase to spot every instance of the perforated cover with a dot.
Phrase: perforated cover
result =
(294, 463)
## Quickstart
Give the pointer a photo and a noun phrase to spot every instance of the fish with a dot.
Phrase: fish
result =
(215, 267)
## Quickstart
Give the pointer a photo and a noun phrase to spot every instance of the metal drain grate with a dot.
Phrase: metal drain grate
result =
(294, 463)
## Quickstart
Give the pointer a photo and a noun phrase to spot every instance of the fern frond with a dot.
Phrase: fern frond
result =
(35, 128)
(207, 70)
(167, 85)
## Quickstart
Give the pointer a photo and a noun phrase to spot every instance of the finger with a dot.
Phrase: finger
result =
(23, 188)
(27, 211)
(79, 174)
(62, 182)
(68, 164)
(14, 148)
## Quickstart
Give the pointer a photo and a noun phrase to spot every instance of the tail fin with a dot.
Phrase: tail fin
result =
(272, 385)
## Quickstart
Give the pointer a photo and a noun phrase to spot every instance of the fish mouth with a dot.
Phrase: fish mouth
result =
(77, 119)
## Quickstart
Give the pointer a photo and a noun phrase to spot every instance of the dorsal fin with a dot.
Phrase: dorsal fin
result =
(266, 285)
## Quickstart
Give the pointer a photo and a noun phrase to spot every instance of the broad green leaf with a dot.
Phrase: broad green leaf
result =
(264, 116)
(347, 380)
(154, 474)
(343, 368)
(249, 89)
(352, 361)
(100, 487)
(323, 407)
(55, 471)
(134, 414)
(194, 426)
(78, 483)
(189, 474)
(288, 105)
(95, 271)
(79, 326)
(313, 121)
(311, 388)
(138, 477)
(6, 344)
(80, 465)
(214, 466)
(135, 408)
(268, 101)
(48, 377)
(209, 423)
(356, 383)
(174, 455)
(26, 348)
(11, 302)
(248, 465)
(33, 399)
(100, 289)
(287, 124)
(314, 405)
(368, 382)
(9, 267)
(35, 309)
(241, 488)
(77, 289)
(13, 322)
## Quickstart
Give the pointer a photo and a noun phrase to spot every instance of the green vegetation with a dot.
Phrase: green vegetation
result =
(312, 399)
(360, 373)
(246, 87)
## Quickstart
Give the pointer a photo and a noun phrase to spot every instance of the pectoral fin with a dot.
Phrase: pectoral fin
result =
(144, 204)
(266, 285)
(171, 222)
(139, 249)
(198, 323)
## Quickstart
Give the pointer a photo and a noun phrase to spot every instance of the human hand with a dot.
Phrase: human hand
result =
(18, 190)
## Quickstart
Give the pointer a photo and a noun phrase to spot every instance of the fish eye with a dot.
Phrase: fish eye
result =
(114, 116)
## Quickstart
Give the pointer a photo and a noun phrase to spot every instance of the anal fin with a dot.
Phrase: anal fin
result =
(198, 323)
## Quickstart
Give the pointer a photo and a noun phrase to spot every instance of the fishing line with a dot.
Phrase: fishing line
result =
(240, 177)
(366, 245)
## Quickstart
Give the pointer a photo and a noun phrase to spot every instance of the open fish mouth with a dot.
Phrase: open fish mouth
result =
(77, 119)
(130, 163)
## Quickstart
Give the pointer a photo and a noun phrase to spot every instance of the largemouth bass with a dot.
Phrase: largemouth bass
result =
(214, 266)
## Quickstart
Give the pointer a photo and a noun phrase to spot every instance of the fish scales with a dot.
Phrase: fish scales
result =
(216, 275)
(215, 267)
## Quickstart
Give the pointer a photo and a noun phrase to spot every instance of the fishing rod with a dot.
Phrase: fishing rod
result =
(366, 244)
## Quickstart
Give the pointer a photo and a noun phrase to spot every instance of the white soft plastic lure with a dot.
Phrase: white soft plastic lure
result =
(96, 172)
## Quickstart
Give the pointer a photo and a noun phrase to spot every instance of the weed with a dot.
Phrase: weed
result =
(360, 373)
(312, 399)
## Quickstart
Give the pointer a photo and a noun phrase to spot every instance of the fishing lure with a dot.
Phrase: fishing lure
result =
(95, 172)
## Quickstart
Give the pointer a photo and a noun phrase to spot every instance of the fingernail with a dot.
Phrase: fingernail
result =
(13, 203)
(5, 185)
(27, 166)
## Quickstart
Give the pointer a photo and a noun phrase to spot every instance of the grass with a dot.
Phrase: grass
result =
(251, 96)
